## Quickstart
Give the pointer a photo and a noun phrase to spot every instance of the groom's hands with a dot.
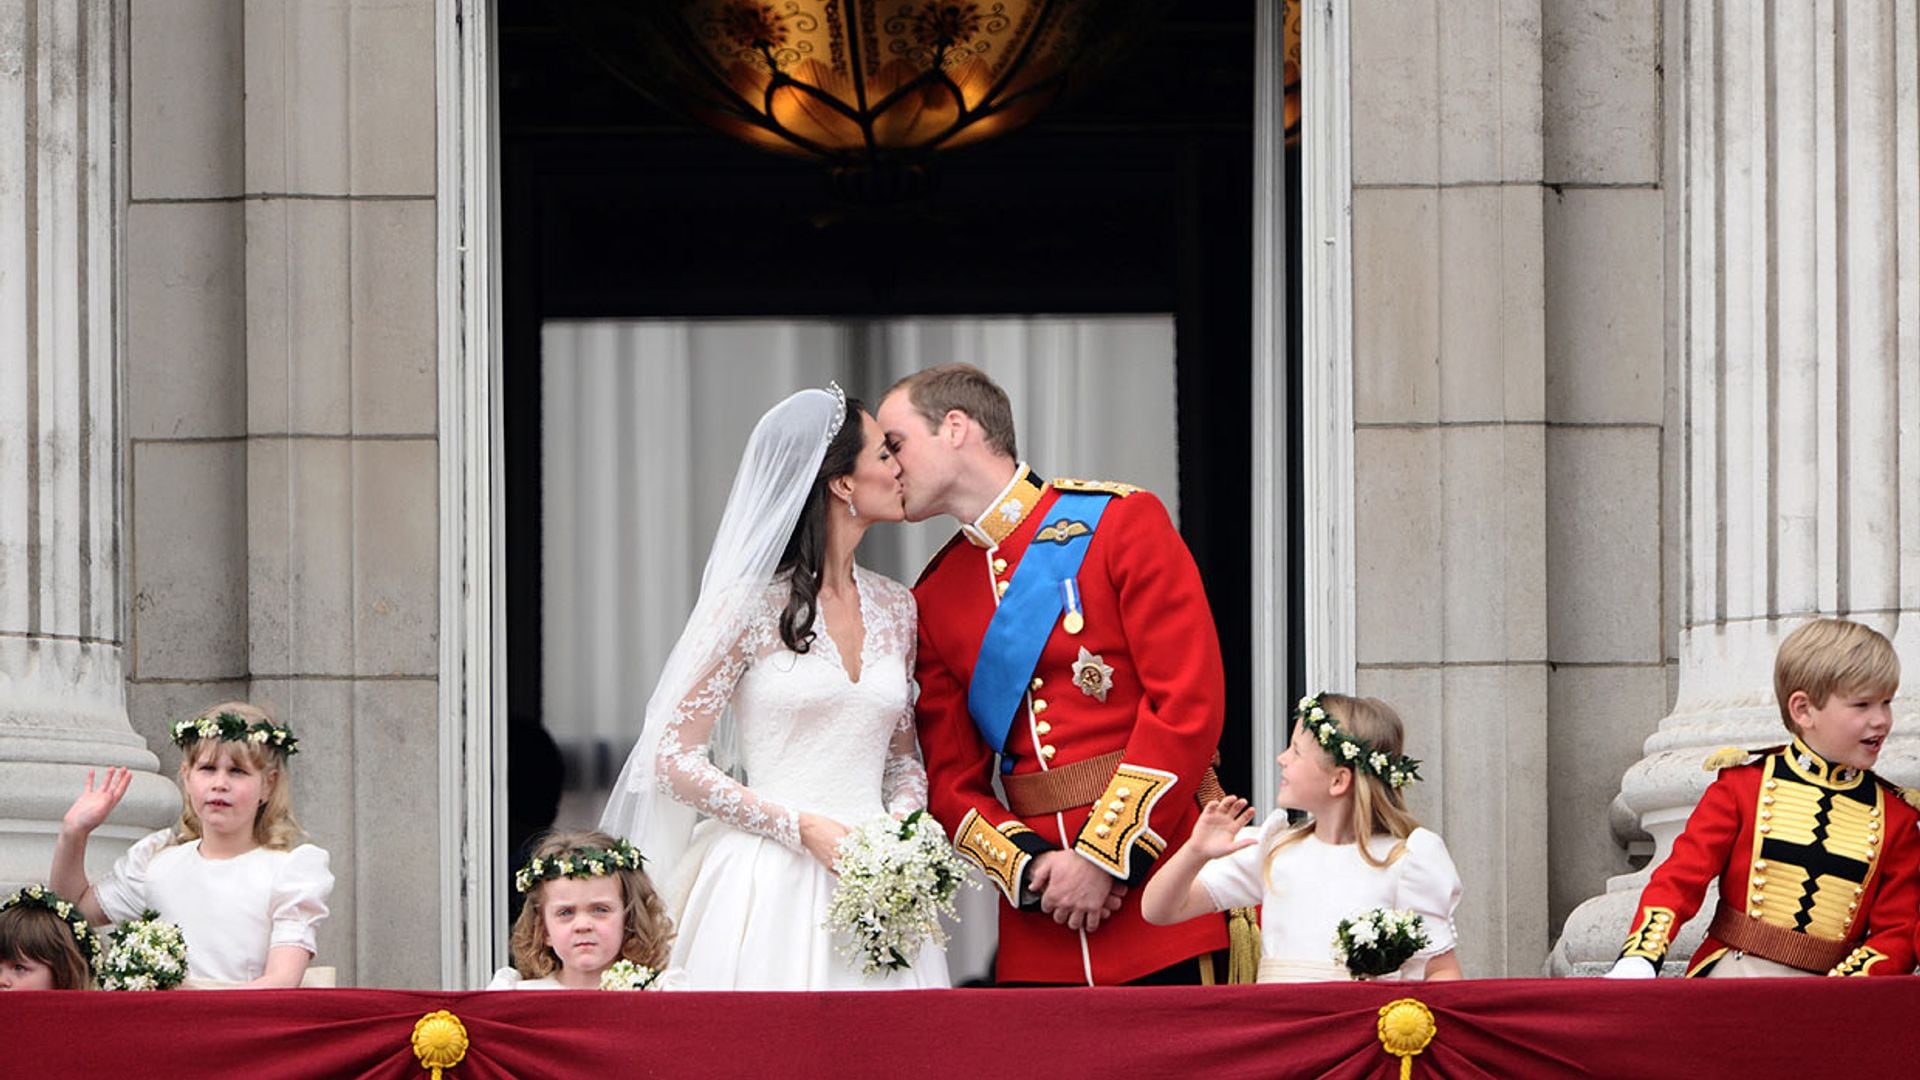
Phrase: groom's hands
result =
(1078, 894)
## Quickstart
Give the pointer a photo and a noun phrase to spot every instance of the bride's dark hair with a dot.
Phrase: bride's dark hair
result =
(806, 551)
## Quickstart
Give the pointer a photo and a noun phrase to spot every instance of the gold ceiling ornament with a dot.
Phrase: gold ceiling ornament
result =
(439, 1042)
(1290, 70)
(870, 87)
(1406, 1027)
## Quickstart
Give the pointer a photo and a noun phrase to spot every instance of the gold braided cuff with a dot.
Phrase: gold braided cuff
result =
(1858, 962)
(1651, 937)
(995, 851)
(1118, 825)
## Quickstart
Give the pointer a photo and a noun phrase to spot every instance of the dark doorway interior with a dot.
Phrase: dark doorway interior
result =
(1135, 197)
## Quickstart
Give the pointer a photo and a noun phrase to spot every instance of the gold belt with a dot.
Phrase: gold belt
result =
(1770, 942)
(1063, 787)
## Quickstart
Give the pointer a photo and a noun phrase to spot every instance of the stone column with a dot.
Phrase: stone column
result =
(1795, 220)
(62, 690)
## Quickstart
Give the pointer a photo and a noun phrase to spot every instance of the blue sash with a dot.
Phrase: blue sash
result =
(1028, 612)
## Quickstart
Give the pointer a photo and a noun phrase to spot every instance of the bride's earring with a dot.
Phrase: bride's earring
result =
(851, 512)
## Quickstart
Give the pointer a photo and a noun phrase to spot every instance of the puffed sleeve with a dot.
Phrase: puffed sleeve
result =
(299, 899)
(1430, 888)
(506, 978)
(122, 894)
(1239, 879)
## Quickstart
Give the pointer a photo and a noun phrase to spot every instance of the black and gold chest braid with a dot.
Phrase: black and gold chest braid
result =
(1817, 844)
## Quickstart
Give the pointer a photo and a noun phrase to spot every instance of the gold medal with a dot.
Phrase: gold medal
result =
(1073, 623)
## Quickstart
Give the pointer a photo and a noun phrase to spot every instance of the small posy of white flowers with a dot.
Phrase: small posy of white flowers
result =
(627, 975)
(896, 879)
(1378, 941)
(147, 954)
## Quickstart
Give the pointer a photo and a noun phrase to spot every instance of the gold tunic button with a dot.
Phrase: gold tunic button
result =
(1765, 827)
(1042, 727)
(1759, 899)
(1766, 815)
(1101, 830)
(999, 566)
(1123, 792)
(1035, 684)
(1000, 589)
(1754, 914)
(1771, 784)
(979, 838)
(1000, 856)
(1660, 916)
(1853, 907)
(1859, 890)
(1766, 800)
(1039, 705)
(1759, 883)
(1109, 817)
(1047, 752)
(1760, 864)
(1873, 811)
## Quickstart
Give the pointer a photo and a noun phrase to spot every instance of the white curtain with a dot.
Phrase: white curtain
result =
(642, 427)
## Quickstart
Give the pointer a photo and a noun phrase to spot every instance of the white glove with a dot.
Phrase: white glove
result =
(1631, 967)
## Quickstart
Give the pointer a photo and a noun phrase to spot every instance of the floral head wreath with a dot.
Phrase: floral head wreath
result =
(229, 727)
(1397, 770)
(579, 862)
(39, 896)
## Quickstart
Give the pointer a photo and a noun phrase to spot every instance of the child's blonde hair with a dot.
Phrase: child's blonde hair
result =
(34, 933)
(1378, 807)
(274, 826)
(647, 931)
(1829, 656)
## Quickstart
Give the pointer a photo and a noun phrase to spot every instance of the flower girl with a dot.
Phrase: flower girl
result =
(45, 943)
(592, 920)
(232, 874)
(1360, 852)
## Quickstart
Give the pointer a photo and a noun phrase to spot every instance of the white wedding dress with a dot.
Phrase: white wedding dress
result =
(810, 738)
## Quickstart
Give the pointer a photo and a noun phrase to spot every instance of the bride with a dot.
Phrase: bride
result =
(795, 668)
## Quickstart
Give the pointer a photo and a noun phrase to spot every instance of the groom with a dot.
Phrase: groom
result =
(1066, 631)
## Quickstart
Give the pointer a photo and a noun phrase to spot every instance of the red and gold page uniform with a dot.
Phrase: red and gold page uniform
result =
(1819, 869)
(1119, 723)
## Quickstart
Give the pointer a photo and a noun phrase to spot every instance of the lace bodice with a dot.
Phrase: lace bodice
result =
(810, 738)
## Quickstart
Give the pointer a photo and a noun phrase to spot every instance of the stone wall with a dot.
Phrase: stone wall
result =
(280, 363)
(1509, 386)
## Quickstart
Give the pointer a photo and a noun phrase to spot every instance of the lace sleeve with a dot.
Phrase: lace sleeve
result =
(903, 784)
(684, 767)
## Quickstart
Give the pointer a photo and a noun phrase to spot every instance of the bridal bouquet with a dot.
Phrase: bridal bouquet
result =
(627, 975)
(896, 879)
(146, 954)
(1377, 942)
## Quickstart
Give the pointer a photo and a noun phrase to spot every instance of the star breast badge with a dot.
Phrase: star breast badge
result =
(1092, 675)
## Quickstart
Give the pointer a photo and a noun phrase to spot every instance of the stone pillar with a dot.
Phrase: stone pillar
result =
(62, 691)
(1795, 210)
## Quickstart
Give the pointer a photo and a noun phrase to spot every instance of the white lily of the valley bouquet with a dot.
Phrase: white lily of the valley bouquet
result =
(627, 975)
(147, 954)
(1379, 941)
(896, 879)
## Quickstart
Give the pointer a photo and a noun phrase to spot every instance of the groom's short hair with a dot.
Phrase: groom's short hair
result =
(939, 390)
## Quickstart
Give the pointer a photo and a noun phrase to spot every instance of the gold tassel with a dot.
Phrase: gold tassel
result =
(1243, 946)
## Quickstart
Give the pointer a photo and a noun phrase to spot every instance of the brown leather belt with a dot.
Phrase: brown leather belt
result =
(1063, 787)
(1769, 942)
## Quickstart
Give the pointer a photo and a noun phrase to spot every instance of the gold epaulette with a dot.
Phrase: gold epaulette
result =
(1910, 796)
(1119, 825)
(1726, 758)
(1103, 487)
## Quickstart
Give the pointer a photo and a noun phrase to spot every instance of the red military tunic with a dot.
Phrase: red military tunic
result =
(1819, 868)
(1142, 678)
